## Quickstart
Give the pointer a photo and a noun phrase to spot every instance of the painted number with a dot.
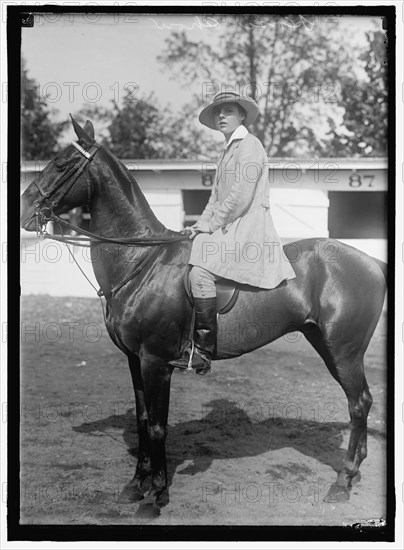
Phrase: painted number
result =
(207, 180)
(355, 180)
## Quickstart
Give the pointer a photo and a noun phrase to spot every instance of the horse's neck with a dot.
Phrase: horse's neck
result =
(119, 208)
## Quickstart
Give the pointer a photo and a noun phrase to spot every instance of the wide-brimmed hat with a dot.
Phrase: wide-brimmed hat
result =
(247, 103)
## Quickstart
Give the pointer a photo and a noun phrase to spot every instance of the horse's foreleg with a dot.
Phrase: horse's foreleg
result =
(133, 490)
(156, 376)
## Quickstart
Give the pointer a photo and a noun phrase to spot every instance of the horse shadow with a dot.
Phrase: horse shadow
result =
(225, 431)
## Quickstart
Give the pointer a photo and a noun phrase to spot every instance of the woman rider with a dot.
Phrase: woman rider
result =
(235, 237)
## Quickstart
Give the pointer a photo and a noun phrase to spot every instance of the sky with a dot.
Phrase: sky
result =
(78, 59)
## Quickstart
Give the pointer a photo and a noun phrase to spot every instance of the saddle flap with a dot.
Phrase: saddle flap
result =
(226, 293)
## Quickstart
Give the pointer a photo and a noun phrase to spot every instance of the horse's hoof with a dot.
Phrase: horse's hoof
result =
(163, 499)
(337, 493)
(356, 478)
(147, 511)
(130, 493)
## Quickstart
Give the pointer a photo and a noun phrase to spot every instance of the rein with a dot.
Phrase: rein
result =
(45, 214)
(93, 238)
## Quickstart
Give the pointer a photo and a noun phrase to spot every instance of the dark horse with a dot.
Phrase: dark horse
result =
(335, 300)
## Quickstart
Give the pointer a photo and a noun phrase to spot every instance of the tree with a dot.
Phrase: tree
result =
(131, 130)
(135, 129)
(141, 128)
(364, 129)
(295, 67)
(39, 134)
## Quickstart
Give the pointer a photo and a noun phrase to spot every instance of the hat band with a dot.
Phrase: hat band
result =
(227, 96)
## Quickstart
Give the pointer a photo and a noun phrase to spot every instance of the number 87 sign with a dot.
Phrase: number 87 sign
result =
(357, 180)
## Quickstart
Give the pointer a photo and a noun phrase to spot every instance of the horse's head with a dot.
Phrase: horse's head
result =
(64, 182)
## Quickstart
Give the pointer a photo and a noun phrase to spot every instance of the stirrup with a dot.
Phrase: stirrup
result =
(202, 369)
(182, 362)
(187, 364)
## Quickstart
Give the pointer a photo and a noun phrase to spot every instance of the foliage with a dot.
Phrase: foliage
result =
(365, 118)
(134, 130)
(141, 128)
(39, 133)
(301, 71)
(320, 94)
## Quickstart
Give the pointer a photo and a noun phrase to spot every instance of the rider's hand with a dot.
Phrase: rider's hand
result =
(198, 227)
(202, 227)
(194, 232)
(191, 232)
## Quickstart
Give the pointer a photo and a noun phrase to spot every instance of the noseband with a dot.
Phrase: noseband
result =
(45, 213)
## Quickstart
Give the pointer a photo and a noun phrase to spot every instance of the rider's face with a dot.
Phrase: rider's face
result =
(228, 117)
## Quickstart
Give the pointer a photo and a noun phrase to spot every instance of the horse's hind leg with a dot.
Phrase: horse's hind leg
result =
(133, 490)
(346, 366)
(353, 381)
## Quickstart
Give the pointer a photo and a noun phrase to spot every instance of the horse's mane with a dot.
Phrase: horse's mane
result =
(134, 194)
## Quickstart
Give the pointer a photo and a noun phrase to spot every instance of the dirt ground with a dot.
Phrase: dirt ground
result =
(257, 442)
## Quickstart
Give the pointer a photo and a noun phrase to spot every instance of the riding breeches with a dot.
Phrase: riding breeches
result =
(202, 283)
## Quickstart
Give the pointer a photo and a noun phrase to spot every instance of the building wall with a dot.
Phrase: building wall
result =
(168, 206)
(300, 213)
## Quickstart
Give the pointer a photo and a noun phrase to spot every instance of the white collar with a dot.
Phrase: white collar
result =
(239, 133)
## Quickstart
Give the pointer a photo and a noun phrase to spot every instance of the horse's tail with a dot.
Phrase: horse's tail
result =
(383, 267)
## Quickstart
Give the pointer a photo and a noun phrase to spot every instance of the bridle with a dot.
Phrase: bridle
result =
(45, 213)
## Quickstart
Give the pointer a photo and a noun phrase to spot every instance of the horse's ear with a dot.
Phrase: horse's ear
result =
(89, 129)
(81, 133)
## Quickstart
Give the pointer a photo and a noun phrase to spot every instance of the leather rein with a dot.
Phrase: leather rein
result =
(44, 214)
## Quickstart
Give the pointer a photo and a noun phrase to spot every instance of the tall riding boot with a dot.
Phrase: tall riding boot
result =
(205, 334)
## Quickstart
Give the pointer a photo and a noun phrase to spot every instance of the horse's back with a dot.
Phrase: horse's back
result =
(338, 272)
(333, 281)
(337, 258)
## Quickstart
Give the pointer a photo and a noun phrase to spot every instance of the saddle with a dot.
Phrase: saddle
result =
(226, 293)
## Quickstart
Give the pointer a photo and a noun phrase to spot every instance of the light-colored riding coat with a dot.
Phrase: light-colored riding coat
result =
(244, 245)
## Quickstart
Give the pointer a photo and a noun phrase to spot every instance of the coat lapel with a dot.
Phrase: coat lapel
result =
(225, 158)
(233, 148)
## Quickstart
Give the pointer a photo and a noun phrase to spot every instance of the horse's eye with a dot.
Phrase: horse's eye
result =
(60, 164)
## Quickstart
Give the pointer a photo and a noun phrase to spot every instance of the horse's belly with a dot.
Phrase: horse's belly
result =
(256, 320)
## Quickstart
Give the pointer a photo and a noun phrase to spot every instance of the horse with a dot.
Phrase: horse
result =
(335, 301)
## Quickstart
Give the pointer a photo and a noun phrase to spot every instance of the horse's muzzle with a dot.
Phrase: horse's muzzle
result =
(30, 225)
